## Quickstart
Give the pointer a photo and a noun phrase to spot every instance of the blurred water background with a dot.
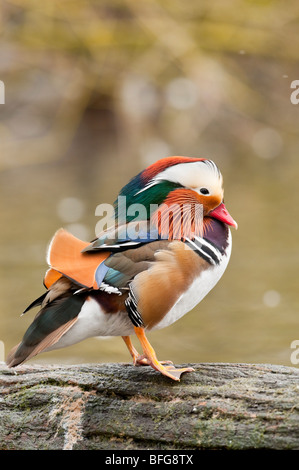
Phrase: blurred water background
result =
(94, 92)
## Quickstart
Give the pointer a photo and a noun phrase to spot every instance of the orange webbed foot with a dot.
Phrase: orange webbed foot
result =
(142, 360)
(139, 359)
(149, 357)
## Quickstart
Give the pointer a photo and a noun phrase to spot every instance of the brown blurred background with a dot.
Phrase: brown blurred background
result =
(94, 92)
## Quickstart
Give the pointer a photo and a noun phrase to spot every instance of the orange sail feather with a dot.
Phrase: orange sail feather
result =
(65, 257)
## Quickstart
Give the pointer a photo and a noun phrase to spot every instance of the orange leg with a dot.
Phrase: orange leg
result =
(151, 359)
(138, 360)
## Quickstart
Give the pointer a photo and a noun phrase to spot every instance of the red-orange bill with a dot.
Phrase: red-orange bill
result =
(222, 214)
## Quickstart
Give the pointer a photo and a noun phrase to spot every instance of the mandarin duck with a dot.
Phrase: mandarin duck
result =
(137, 275)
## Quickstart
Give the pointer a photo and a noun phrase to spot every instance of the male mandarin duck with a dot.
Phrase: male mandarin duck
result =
(118, 285)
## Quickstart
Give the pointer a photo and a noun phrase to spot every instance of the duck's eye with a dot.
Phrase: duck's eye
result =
(204, 191)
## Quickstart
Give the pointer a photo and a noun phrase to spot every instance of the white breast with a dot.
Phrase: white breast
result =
(200, 287)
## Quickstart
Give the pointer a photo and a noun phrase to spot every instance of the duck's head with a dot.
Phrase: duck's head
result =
(178, 182)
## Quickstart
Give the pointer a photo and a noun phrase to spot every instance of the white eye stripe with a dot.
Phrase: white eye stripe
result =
(214, 166)
(194, 175)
